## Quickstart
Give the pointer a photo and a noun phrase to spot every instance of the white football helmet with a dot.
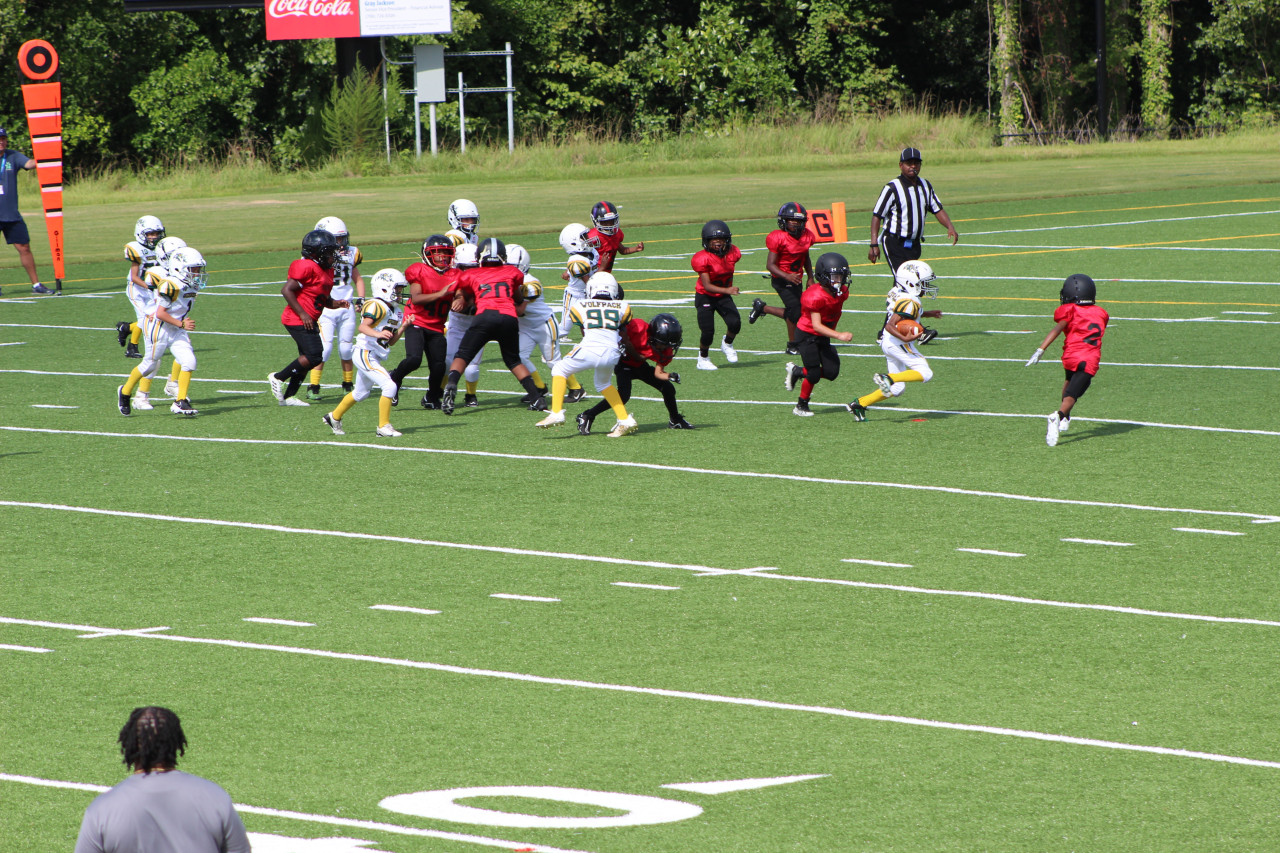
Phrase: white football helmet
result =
(465, 256)
(464, 216)
(389, 285)
(167, 247)
(336, 227)
(916, 278)
(574, 239)
(603, 285)
(186, 265)
(518, 257)
(145, 226)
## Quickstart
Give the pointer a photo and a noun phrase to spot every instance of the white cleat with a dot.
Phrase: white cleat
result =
(294, 401)
(552, 419)
(334, 424)
(883, 382)
(386, 431)
(142, 403)
(730, 354)
(704, 363)
(171, 389)
(1051, 435)
(277, 388)
(625, 427)
(1063, 423)
(789, 381)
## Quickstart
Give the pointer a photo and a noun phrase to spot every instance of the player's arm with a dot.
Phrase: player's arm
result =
(891, 326)
(358, 280)
(873, 253)
(1057, 329)
(374, 315)
(292, 288)
(135, 275)
(821, 328)
(771, 264)
(163, 315)
(418, 297)
(631, 250)
(933, 313)
(945, 221)
(808, 269)
(704, 279)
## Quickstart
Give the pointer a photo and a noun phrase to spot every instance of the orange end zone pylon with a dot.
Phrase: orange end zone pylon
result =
(43, 101)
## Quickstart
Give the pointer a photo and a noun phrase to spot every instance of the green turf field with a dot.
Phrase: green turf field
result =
(925, 632)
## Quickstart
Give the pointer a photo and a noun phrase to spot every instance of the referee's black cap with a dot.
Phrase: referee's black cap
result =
(910, 154)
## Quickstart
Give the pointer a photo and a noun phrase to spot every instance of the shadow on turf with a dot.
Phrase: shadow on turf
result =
(1099, 431)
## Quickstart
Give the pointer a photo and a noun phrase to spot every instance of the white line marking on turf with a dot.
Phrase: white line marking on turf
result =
(289, 622)
(402, 609)
(878, 563)
(644, 585)
(720, 699)
(1253, 313)
(613, 463)
(50, 406)
(23, 648)
(736, 571)
(96, 634)
(733, 785)
(1204, 530)
(1098, 542)
(319, 818)
(514, 597)
(992, 553)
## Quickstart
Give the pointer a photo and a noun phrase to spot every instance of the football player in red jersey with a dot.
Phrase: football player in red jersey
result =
(1084, 324)
(820, 312)
(495, 287)
(431, 288)
(788, 264)
(642, 342)
(608, 230)
(715, 290)
(306, 293)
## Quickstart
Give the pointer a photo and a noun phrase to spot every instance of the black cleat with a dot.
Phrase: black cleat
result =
(678, 422)
(792, 349)
(348, 387)
(757, 309)
(573, 395)
(126, 407)
(856, 409)
(131, 351)
(447, 401)
(584, 423)
(183, 407)
(540, 404)
(122, 333)
(429, 404)
(927, 335)
(471, 401)
(530, 396)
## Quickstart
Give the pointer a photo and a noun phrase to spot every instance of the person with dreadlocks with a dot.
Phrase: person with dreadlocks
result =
(160, 809)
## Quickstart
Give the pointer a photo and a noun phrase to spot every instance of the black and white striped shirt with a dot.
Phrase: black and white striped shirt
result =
(902, 207)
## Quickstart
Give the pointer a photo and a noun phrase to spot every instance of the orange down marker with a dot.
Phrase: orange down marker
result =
(43, 101)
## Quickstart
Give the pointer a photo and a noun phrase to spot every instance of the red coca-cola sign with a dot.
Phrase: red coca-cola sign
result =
(312, 19)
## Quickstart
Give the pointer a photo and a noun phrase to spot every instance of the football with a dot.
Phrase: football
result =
(910, 329)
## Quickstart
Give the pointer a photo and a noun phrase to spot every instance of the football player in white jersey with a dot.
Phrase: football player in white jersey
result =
(923, 273)
(601, 316)
(464, 220)
(464, 257)
(911, 281)
(166, 328)
(381, 325)
(141, 254)
(583, 262)
(164, 250)
(340, 323)
(538, 329)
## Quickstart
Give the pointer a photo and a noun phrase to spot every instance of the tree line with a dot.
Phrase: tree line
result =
(142, 88)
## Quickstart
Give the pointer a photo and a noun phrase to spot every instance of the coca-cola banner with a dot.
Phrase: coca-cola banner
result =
(319, 19)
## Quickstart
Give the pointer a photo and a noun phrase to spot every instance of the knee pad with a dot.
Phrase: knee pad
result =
(925, 372)
(344, 351)
(896, 389)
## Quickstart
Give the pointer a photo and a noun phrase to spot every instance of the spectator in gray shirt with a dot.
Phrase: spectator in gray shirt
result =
(160, 809)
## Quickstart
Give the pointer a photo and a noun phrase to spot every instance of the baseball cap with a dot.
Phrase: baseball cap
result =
(910, 154)
(3, 132)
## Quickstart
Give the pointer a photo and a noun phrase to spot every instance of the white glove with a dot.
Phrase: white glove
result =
(1035, 356)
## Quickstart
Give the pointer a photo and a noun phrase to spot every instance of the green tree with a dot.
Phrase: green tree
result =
(1157, 54)
(1242, 39)
(194, 108)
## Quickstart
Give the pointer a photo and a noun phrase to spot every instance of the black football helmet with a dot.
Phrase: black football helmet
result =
(832, 272)
(604, 215)
(716, 230)
(791, 218)
(437, 251)
(320, 246)
(665, 332)
(492, 253)
(1078, 288)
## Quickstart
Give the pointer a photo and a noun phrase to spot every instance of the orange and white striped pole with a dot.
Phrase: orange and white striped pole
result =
(43, 101)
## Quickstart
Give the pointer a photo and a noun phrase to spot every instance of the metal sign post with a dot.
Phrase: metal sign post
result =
(429, 89)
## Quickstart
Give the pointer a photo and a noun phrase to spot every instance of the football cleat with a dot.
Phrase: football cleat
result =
(131, 351)
(142, 402)
(294, 401)
(1051, 434)
(530, 396)
(471, 401)
(428, 403)
(334, 424)
(447, 401)
(395, 401)
(122, 400)
(540, 404)
(277, 388)
(678, 422)
(757, 309)
(313, 394)
(704, 363)
(1063, 423)
(552, 419)
(802, 409)
(348, 387)
(730, 354)
(122, 332)
(42, 290)
(573, 395)
(171, 389)
(183, 407)
(584, 423)
(884, 383)
(792, 349)
(624, 427)
(927, 335)
(856, 409)
(388, 431)
(793, 373)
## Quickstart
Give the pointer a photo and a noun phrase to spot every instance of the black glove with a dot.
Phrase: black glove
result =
(674, 377)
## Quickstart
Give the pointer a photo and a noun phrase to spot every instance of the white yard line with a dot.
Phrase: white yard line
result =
(1214, 532)
(1098, 542)
(514, 597)
(991, 553)
(403, 609)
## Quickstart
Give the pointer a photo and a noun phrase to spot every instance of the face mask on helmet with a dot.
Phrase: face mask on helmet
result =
(917, 278)
(188, 266)
(389, 286)
(148, 231)
(832, 272)
(337, 228)
(605, 217)
(464, 216)
(437, 250)
(791, 218)
(575, 241)
(716, 237)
